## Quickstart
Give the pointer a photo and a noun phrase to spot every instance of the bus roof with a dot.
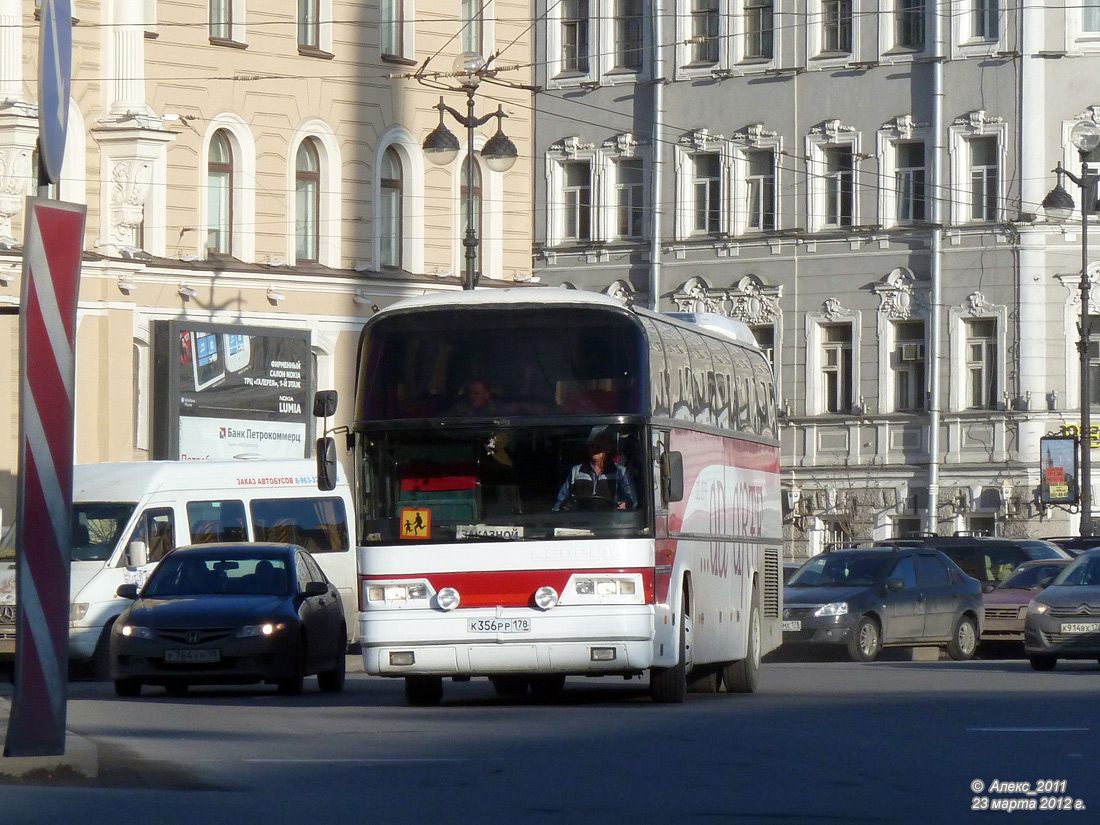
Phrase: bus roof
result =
(506, 297)
(130, 480)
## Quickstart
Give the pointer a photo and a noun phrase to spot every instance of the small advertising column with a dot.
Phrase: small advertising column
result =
(224, 391)
(1058, 470)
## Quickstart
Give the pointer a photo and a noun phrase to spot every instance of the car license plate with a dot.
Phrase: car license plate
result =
(192, 657)
(498, 625)
(1081, 627)
(791, 626)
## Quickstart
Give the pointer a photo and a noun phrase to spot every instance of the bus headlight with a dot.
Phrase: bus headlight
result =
(546, 597)
(448, 598)
(393, 593)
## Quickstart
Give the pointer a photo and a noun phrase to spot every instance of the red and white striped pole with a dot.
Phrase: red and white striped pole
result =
(52, 245)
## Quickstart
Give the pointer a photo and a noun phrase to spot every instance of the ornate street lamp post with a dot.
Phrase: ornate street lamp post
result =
(1058, 204)
(441, 148)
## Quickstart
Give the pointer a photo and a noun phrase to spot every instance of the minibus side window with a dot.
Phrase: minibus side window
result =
(320, 525)
(216, 521)
(157, 529)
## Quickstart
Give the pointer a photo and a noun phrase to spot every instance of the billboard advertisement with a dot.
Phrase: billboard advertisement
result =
(1058, 469)
(223, 391)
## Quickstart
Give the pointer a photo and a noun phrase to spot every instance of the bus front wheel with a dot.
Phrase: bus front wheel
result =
(423, 691)
(742, 676)
(668, 685)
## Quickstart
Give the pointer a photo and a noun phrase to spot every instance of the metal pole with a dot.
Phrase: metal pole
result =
(470, 241)
(1083, 345)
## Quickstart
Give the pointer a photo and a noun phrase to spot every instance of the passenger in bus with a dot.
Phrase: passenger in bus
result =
(598, 483)
(476, 400)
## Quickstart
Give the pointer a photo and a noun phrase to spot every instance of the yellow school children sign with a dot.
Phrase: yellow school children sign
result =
(416, 523)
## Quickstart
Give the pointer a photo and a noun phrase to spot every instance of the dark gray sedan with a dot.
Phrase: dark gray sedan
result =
(232, 613)
(1063, 621)
(865, 600)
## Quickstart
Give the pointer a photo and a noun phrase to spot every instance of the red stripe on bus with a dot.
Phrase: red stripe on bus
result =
(515, 588)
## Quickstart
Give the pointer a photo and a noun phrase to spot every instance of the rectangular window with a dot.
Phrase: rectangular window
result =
(628, 34)
(909, 182)
(1094, 364)
(987, 24)
(318, 524)
(1090, 21)
(221, 19)
(836, 25)
(578, 201)
(308, 24)
(909, 387)
(765, 339)
(836, 367)
(761, 189)
(758, 28)
(630, 198)
(981, 364)
(706, 187)
(839, 186)
(473, 17)
(983, 179)
(391, 27)
(704, 31)
(574, 36)
(910, 23)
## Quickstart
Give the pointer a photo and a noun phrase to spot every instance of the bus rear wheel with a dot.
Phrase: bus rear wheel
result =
(423, 691)
(742, 676)
(668, 685)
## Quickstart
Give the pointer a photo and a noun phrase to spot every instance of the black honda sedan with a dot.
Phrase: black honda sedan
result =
(865, 600)
(231, 613)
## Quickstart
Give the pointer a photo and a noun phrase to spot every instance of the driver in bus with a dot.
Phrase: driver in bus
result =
(599, 480)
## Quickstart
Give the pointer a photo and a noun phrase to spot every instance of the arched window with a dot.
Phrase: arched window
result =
(465, 207)
(389, 209)
(219, 188)
(307, 201)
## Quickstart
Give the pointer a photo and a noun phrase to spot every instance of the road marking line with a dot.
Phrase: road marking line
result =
(1026, 730)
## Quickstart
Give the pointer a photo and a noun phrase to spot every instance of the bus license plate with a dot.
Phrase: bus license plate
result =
(192, 657)
(1080, 627)
(498, 625)
(790, 626)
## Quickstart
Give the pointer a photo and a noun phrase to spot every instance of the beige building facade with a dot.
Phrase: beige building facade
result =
(255, 166)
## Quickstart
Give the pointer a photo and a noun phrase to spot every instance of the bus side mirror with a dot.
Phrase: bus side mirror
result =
(139, 554)
(326, 463)
(324, 403)
(672, 476)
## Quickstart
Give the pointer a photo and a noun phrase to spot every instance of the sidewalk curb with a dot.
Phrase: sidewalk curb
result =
(81, 756)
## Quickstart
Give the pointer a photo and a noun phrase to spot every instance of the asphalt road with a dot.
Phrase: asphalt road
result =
(821, 742)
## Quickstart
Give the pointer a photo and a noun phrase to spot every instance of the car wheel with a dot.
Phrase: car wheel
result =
(742, 676)
(332, 681)
(423, 691)
(964, 641)
(668, 685)
(509, 686)
(100, 665)
(295, 683)
(1043, 663)
(866, 642)
(127, 688)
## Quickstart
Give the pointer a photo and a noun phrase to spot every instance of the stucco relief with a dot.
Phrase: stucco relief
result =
(749, 300)
(898, 296)
(15, 184)
(621, 291)
(129, 189)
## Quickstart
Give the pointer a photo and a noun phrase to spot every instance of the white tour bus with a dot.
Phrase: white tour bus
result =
(487, 547)
(128, 515)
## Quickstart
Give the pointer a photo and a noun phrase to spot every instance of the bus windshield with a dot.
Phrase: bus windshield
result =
(528, 361)
(503, 483)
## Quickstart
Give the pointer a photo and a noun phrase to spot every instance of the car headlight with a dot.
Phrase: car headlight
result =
(265, 629)
(77, 611)
(1037, 607)
(832, 609)
(136, 631)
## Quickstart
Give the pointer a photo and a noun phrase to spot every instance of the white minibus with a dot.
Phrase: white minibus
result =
(127, 516)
